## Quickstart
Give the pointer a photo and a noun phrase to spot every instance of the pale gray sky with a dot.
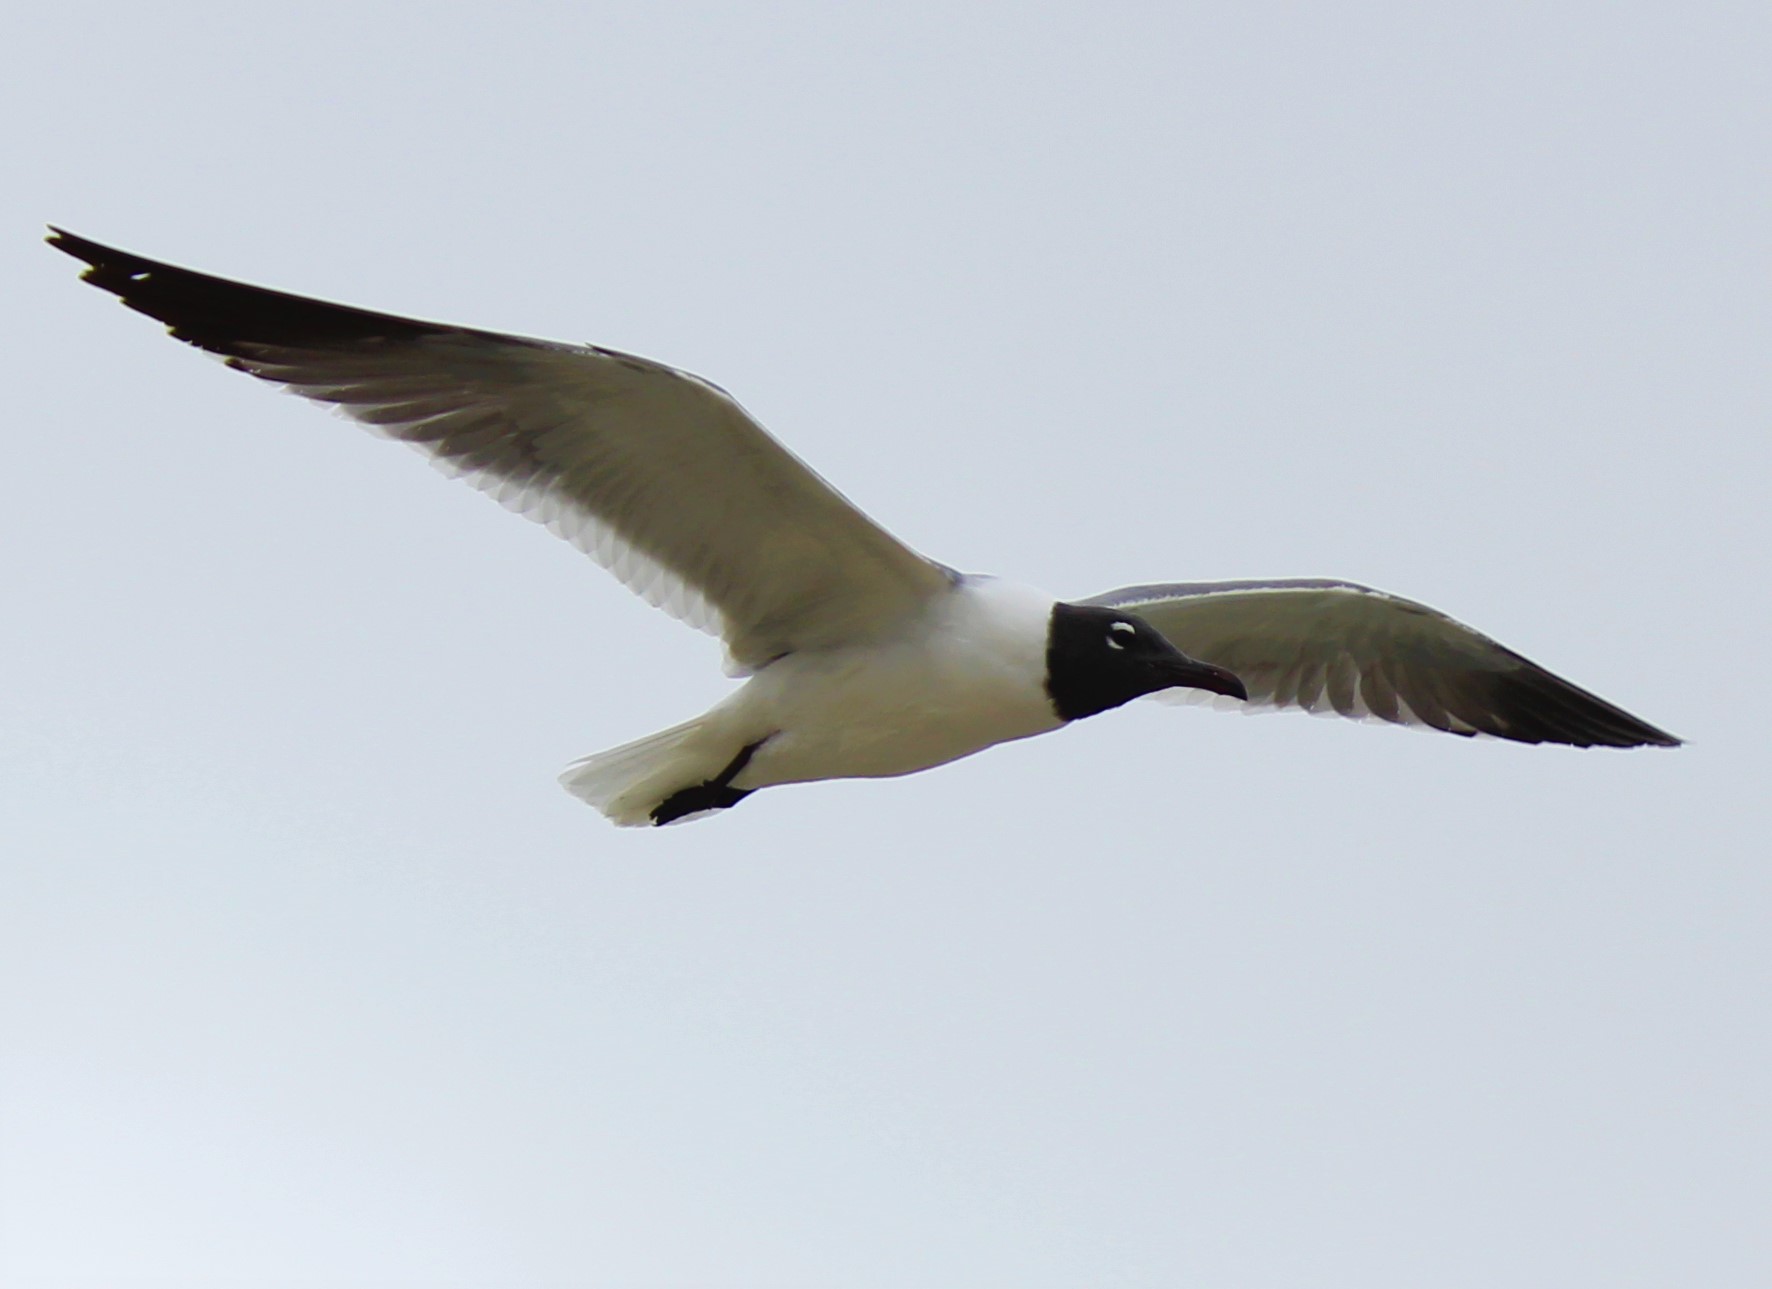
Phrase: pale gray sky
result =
(316, 978)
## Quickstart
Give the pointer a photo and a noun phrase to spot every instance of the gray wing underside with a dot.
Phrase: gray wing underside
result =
(658, 475)
(1340, 648)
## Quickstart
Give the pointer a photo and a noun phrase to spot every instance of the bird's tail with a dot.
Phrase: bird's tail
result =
(626, 783)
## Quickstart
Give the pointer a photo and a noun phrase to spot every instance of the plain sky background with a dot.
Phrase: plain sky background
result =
(314, 977)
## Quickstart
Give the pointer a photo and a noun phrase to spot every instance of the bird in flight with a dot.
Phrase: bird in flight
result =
(864, 659)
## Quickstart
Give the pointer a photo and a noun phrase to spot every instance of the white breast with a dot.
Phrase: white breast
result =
(969, 673)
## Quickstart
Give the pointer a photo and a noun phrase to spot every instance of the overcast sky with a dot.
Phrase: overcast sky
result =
(315, 977)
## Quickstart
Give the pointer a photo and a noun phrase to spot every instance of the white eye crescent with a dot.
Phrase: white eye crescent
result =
(1114, 644)
(1127, 627)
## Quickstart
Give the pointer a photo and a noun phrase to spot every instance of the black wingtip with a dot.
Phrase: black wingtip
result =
(108, 268)
(93, 253)
(1537, 706)
(221, 315)
(79, 247)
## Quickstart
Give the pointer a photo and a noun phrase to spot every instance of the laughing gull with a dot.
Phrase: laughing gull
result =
(864, 658)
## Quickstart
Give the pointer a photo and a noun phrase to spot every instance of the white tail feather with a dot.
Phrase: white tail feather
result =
(626, 782)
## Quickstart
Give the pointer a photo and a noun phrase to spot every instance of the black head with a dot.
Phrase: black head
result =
(1097, 659)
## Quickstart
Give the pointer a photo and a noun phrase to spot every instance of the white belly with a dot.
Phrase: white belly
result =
(973, 678)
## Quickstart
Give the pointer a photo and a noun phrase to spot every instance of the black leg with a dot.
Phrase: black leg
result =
(716, 793)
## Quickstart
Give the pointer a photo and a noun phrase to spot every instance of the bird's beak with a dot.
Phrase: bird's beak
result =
(1190, 673)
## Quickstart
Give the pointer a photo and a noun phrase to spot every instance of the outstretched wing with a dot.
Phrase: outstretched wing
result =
(1325, 646)
(656, 474)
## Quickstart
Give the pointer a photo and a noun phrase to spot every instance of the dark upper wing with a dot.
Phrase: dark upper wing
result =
(656, 474)
(1325, 646)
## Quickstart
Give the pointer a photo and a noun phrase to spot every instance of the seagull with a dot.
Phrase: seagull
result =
(864, 659)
